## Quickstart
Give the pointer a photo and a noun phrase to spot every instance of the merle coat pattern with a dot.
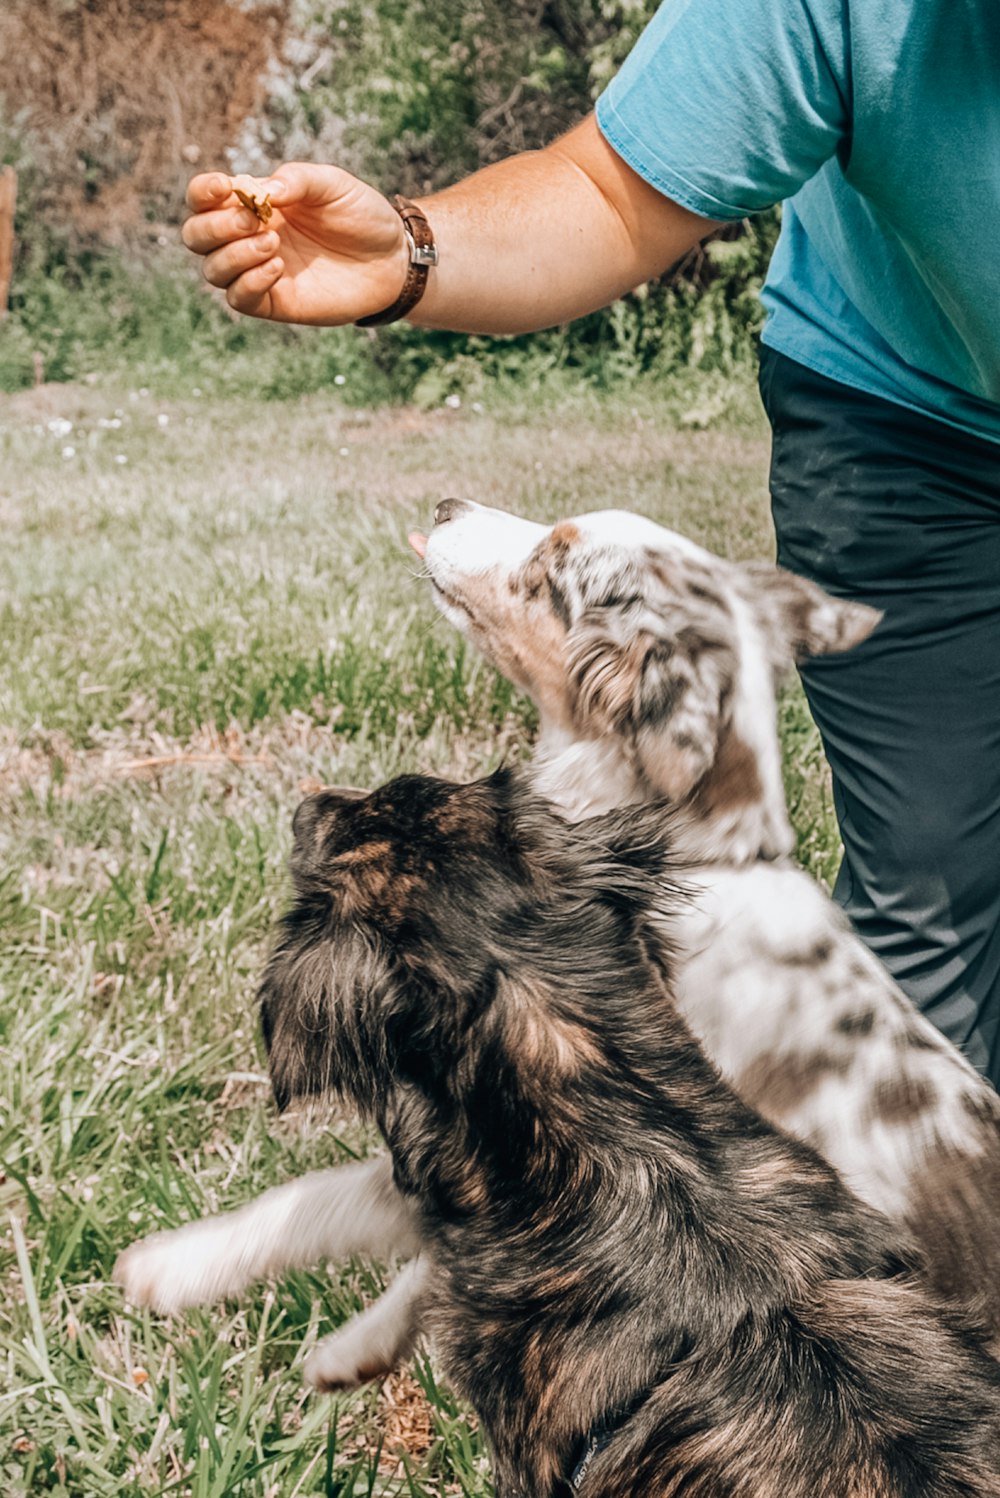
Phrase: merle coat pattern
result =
(609, 1227)
(654, 667)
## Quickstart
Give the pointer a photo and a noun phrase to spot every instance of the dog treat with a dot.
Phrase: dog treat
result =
(262, 209)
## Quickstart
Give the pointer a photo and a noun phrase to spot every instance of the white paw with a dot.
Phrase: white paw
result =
(192, 1266)
(344, 1360)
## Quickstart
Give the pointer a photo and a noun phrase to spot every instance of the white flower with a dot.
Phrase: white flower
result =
(340, 379)
(454, 401)
(120, 458)
(69, 452)
(163, 420)
(344, 451)
(60, 427)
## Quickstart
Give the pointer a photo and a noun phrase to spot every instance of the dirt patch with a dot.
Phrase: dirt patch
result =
(47, 763)
(122, 101)
(404, 1416)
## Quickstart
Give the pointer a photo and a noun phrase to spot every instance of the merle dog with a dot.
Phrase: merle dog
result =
(641, 1286)
(654, 666)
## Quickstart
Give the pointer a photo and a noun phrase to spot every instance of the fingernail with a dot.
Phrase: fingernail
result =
(266, 241)
(247, 220)
(274, 189)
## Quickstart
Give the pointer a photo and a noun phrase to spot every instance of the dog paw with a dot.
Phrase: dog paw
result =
(343, 1361)
(173, 1271)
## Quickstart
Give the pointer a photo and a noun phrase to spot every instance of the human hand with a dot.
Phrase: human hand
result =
(333, 251)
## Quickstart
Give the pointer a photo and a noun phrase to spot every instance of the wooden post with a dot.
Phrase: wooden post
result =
(8, 201)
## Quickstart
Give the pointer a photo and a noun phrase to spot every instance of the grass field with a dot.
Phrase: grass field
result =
(205, 609)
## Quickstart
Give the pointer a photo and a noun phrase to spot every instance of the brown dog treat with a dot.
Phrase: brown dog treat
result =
(263, 209)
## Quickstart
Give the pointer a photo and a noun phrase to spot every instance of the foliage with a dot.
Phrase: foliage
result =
(154, 321)
(425, 91)
(105, 106)
(412, 94)
(91, 318)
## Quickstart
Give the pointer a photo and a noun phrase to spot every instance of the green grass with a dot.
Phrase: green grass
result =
(187, 640)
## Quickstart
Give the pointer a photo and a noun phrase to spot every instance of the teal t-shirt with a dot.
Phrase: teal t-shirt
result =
(877, 122)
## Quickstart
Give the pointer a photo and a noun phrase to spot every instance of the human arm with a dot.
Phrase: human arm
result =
(535, 240)
(723, 107)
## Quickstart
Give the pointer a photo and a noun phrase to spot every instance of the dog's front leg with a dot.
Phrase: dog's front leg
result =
(372, 1344)
(329, 1214)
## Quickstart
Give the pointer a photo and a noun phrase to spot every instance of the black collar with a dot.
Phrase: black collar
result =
(588, 1449)
(599, 1436)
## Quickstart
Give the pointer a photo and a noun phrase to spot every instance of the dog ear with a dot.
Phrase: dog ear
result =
(324, 1004)
(801, 617)
(316, 810)
(293, 1023)
(660, 690)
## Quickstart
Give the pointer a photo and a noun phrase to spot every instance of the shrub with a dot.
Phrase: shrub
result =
(411, 93)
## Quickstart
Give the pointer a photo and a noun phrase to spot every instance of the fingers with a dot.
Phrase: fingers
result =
(208, 190)
(240, 256)
(217, 215)
(232, 259)
(218, 218)
(251, 292)
(205, 232)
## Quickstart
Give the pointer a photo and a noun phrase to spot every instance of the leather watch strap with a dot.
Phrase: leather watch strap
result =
(423, 254)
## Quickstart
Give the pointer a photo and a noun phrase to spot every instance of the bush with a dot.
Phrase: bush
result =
(412, 94)
(158, 324)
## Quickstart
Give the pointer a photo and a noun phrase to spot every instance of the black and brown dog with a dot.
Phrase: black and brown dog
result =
(642, 1288)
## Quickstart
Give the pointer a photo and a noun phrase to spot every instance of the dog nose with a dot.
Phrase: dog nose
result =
(448, 509)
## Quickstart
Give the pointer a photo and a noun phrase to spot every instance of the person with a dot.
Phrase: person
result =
(877, 124)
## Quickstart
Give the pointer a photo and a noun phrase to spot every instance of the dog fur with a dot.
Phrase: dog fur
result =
(615, 1240)
(654, 666)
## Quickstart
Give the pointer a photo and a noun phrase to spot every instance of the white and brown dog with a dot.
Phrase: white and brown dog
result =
(654, 665)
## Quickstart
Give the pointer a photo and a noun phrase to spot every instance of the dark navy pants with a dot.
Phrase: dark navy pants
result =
(878, 503)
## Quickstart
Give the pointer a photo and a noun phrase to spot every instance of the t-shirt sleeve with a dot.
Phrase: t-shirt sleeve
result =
(728, 106)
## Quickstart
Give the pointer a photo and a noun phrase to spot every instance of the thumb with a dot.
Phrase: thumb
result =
(305, 182)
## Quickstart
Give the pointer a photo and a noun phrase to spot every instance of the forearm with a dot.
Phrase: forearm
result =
(547, 236)
(536, 240)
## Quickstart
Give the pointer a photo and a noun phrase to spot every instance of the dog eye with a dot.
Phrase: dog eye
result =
(617, 600)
